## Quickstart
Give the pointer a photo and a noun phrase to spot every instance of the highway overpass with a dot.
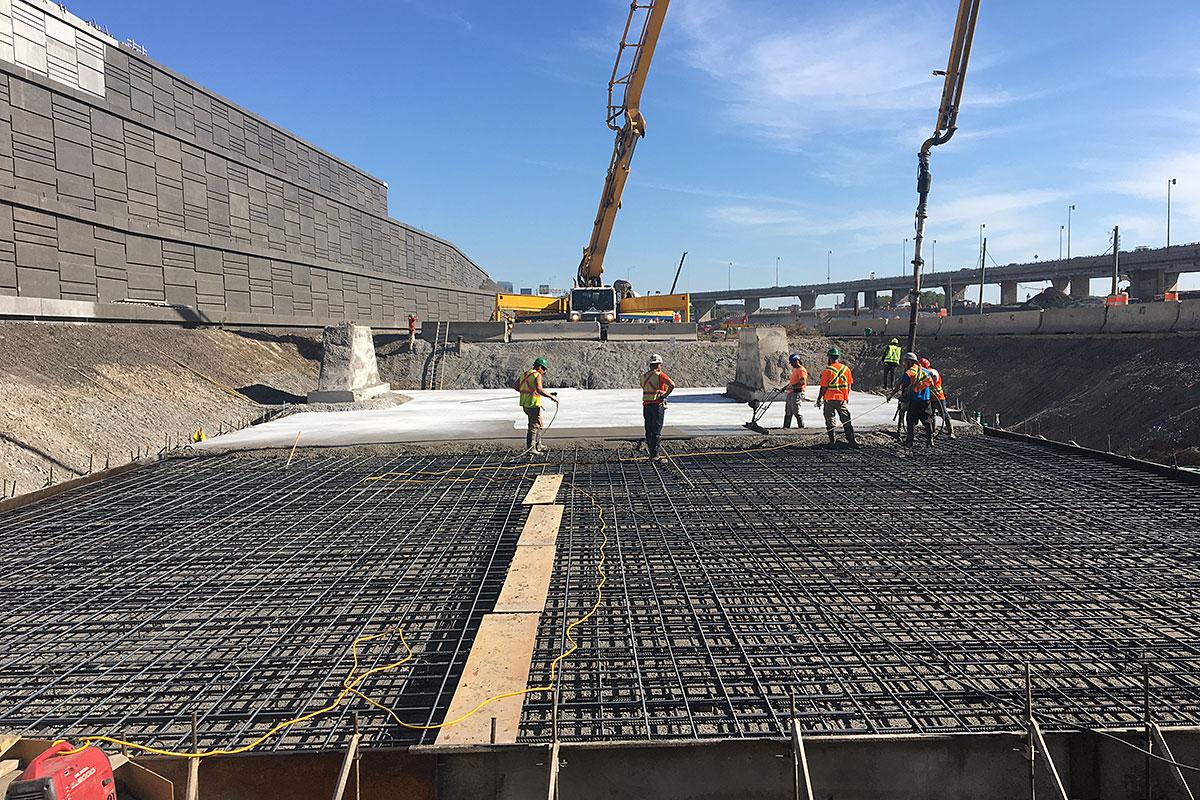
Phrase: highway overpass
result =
(1149, 272)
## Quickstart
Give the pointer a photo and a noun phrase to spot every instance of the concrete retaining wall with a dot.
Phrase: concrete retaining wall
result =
(534, 331)
(855, 326)
(1010, 323)
(1141, 318)
(122, 180)
(469, 331)
(621, 331)
(1086, 319)
(1189, 316)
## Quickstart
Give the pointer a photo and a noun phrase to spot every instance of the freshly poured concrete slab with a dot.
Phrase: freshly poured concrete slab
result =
(490, 414)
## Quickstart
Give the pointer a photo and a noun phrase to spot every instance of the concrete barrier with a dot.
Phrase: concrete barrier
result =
(1142, 318)
(535, 331)
(1084, 319)
(1189, 316)
(855, 326)
(625, 331)
(1002, 324)
(469, 331)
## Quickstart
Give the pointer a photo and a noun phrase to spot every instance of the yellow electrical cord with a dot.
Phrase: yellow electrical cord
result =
(353, 679)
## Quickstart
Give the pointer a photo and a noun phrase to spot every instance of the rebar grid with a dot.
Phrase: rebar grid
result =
(881, 592)
(234, 587)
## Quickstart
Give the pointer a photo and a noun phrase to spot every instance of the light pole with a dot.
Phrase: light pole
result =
(828, 270)
(776, 270)
(1060, 233)
(933, 257)
(904, 255)
(982, 225)
(1070, 209)
(1170, 183)
(729, 277)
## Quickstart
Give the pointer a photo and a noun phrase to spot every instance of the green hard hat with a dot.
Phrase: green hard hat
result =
(834, 353)
(541, 362)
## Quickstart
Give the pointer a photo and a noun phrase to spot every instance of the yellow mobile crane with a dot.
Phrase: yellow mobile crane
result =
(590, 299)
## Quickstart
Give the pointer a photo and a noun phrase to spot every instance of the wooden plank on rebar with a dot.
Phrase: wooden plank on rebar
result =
(498, 664)
(541, 527)
(544, 490)
(528, 581)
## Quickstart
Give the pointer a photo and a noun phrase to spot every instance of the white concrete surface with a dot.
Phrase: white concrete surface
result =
(485, 414)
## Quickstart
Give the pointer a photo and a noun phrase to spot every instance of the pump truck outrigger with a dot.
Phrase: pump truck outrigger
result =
(590, 299)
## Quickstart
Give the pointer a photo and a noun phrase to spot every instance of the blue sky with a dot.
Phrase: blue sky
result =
(775, 128)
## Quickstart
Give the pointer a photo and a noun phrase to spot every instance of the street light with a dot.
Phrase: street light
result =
(828, 258)
(904, 255)
(1170, 183)
(1060, 233)
(776, 270)
(982, 225)
(933, 257)
(729, 277)
(1070, 209)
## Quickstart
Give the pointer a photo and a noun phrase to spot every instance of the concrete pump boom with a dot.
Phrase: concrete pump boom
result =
(626, 119)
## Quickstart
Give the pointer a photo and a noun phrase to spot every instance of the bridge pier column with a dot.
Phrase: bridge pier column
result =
(1061, 284)
(702, 310)
(1147, 284)
(899, 295)
(752, 305)
(1081, 286)
(871, 299)
(808, 302)
(1008, 293)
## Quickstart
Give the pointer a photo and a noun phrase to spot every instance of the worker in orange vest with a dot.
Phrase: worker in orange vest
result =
(937, 401)
(917, 385)
(796, 386)
(836, 380)
(656, 386)
(532, 391)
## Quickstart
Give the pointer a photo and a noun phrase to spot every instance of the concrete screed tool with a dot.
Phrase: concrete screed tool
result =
(758, 409)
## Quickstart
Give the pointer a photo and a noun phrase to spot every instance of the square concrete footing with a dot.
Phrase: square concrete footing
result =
(349, 372)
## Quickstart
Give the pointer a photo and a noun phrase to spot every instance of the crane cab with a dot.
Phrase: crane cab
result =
(593, 304)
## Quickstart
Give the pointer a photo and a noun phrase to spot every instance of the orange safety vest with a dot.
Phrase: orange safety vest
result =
(799, 378)
(653, 384)
(527, 386)
(919, 379)
(836, 380)
(938, 393)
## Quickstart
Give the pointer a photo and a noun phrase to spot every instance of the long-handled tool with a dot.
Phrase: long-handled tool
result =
(758, 408)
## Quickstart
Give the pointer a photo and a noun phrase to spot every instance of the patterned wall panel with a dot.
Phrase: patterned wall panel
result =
(120, 180)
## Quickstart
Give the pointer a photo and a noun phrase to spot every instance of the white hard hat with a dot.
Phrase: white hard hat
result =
(656, 359)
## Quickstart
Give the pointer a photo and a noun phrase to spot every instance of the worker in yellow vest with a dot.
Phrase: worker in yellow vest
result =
(656, 386)
(836, 380)
(890, 360)
(532, 391)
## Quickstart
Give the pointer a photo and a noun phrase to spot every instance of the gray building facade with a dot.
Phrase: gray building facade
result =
(123, 182)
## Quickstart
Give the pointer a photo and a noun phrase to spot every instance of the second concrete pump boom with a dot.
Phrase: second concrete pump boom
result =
(624, 117)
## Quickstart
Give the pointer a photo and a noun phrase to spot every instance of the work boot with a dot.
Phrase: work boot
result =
(787, 420)
(528, 440)
(850, 440)
(832, 438)
(537, 444)
(799, 422)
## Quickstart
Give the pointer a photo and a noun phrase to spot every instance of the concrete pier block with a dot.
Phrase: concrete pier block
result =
(1008, 293)
(808, 302)
(752, 305)
(1081, 286)
(349, 372)
(762, 363)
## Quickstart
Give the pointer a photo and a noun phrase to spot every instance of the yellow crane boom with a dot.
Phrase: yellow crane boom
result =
(624, 117)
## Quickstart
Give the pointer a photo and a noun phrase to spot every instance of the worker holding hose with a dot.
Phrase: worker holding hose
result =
(836, 380)
(656, 386)
(796, 386)
(937, 400)
(916, 384)
(532, 391)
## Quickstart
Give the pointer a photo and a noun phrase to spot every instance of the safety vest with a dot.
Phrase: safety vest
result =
(836, 379)
(938, 393)
(892, 355)
(799, 378)
(919, 379)
(527, 386)
(652, 387)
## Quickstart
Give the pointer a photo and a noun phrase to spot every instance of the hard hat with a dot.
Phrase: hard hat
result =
(895, 341)
(925, 363)
(834, 353)
(794, 357)
(911, 357)
(541, 362)
(656, 359)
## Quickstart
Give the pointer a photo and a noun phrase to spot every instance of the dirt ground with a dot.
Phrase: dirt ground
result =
(107, 391)
(71, 392)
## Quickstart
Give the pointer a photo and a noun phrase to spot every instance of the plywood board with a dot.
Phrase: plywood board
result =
(544, 490)
(498, 663)
(541, 527)
(528, 580)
